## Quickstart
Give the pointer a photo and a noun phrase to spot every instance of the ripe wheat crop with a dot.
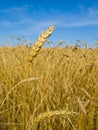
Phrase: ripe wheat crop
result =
(48, 88)
(38, 44)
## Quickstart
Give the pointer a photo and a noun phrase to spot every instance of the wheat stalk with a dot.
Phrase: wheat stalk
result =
(23, 81)
(39, 43)
(50, 114)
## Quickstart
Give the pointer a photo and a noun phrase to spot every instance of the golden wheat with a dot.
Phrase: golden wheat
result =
(50, 114)
(63, 97)
(39, 43)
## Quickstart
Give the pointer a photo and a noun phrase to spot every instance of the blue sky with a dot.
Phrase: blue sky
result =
(74, 19)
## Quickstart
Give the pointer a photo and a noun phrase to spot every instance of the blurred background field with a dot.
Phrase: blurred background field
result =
(57, 91)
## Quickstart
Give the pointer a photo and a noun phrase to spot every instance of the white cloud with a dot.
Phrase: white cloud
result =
(92, 12)
(86, 17)
(14, 9)
(28, 20)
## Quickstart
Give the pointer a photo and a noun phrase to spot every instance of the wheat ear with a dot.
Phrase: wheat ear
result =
(39, 43)
(51, 114)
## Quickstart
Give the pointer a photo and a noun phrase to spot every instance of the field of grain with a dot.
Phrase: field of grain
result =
(57, 89)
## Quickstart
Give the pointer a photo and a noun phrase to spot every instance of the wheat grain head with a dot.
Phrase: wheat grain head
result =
(39, 43)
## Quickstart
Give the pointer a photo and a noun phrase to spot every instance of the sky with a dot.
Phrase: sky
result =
(73, 19)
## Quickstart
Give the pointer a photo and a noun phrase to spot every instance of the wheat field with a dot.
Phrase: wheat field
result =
(48, 88)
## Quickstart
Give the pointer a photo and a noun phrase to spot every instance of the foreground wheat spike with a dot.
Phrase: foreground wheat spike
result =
(57, 113)
(40, 42)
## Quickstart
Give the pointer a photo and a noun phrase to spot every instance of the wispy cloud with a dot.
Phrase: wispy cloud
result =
(85, 17)
(26, 19)
(15, 10)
